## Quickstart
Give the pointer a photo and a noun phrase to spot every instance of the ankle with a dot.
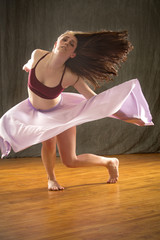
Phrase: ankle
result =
(52, 179)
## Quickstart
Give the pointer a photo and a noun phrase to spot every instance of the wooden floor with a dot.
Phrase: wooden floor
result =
(88, 208)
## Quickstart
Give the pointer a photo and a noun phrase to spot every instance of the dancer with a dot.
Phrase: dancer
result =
(50, 116)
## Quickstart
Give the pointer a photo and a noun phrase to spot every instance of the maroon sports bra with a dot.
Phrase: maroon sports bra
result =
(40, 89)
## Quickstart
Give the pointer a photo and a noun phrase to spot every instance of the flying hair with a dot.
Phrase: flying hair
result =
(99, 55)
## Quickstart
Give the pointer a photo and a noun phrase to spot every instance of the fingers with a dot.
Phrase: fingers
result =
(25, 68)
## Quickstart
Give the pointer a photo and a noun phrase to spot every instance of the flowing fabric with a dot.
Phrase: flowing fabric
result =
(23, 125)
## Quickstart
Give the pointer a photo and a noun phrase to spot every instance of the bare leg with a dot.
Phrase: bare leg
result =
(67, 149)
(48, 154)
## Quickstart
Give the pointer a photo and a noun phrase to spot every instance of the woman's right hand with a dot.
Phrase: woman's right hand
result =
(25, 68)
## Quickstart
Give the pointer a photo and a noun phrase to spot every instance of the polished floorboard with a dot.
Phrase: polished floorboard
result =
(88, 208)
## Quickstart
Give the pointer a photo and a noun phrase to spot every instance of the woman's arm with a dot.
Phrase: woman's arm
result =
(28, 65)
(82, 87)
(36, 54)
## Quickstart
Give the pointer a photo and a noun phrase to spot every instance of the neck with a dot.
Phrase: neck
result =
(55, 61)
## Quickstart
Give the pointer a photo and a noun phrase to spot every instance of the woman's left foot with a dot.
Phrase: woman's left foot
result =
(54, 186)
(112, 167)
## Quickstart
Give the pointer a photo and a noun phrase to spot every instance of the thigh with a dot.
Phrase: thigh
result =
(67, 145)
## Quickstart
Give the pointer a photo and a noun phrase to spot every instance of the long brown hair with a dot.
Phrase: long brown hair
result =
(99, 54)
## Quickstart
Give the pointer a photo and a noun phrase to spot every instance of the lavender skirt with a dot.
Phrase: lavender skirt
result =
(23, 125)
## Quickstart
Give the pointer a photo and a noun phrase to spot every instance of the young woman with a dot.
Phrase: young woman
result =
(50, 116)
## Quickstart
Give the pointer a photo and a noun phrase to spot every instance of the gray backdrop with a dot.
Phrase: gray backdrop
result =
(27, 25)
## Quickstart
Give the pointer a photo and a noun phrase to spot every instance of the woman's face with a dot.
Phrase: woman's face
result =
(66, 44)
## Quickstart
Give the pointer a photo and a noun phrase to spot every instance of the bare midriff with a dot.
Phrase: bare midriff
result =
(41, 103)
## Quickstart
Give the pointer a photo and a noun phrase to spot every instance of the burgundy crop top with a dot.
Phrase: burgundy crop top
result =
(40, 89)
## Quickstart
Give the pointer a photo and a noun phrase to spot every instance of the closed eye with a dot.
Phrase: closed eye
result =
(64, 39)
(72, 43)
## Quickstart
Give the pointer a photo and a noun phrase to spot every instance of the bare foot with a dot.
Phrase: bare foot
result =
(113, 170)
(54, 186)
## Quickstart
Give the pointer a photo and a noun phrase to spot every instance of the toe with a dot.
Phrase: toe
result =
(53, 189)
(112, 180)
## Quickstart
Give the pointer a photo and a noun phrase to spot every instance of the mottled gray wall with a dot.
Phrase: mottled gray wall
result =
(27, 25)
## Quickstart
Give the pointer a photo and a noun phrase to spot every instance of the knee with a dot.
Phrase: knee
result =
(70, 162)
(49, 144)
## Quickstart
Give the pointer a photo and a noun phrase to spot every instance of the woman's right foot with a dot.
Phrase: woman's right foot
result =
(54, 186)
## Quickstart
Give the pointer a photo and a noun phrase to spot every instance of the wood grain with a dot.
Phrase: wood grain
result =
(88, 208)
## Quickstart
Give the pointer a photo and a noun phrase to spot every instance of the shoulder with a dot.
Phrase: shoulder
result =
(75, 80)
(81, 85)
(70, 78)
(38, 53)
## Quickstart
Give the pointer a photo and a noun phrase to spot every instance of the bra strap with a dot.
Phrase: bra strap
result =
(41, 59)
